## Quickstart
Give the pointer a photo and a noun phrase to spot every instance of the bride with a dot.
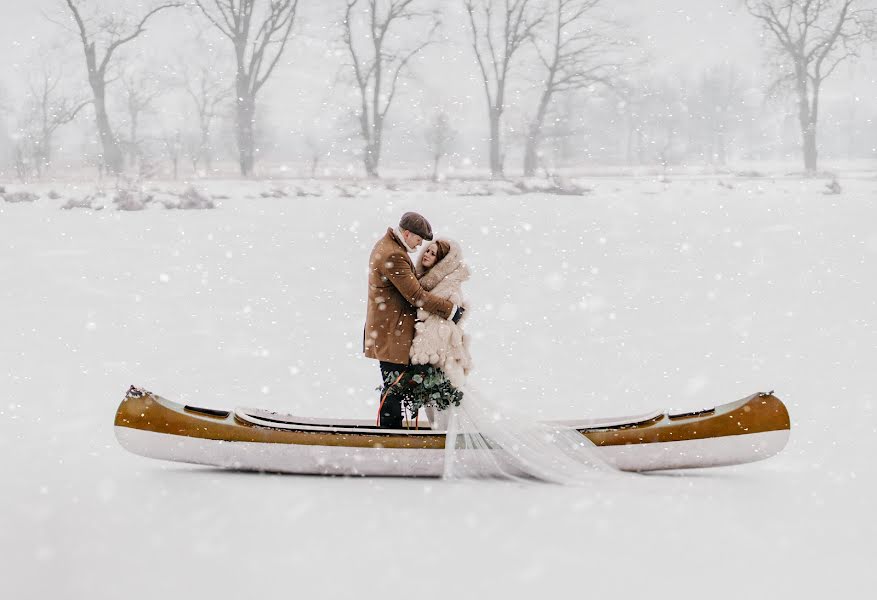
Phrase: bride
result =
(437, 341)
(485, 439)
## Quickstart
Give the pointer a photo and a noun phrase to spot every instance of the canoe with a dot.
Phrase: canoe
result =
(748, 430)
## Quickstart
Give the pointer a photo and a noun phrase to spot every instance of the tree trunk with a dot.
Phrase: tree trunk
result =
(112, 153)
(435, 165)
(44, 158)
(495, 153)
(640, 147)
(809, 146)
(373, 136)
(531, 150)
(38, 163)
(246, 138)
(134, 149)
(631, 133)
(20, 163)
(113, 158)
(205, 153)
(721, 149)
(39, 155)
(371, 158)
(807, 120)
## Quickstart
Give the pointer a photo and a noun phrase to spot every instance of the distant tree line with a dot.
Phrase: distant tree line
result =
(561, 81)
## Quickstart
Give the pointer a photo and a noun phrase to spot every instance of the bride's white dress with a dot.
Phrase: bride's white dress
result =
(486, 440)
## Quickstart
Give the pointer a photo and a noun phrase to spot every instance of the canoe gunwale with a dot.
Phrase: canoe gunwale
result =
(747, 430)
(746, 416)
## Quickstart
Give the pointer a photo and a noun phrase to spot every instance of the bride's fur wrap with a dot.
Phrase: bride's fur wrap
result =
(438, 341)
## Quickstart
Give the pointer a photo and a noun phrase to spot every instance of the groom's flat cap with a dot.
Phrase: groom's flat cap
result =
(416, 223)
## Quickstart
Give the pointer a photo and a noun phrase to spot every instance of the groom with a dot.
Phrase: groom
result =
(394, 295)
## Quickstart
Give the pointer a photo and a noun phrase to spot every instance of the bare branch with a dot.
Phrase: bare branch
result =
(228, 29)
(811, 34)
(259, 39)
(369, 32)
(139, 29)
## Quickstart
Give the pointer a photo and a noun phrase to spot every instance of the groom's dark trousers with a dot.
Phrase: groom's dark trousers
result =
(391, 409)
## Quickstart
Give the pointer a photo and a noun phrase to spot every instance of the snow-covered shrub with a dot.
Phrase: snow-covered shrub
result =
(79, 203)
(490, 188)
(557, 185)
(53, 195)
(192, 199)
(20, 197)
(127, 199)
(275, 193)
(348, 191)
(313, 191)
(833, 187)
(474, 189)
(167, 199)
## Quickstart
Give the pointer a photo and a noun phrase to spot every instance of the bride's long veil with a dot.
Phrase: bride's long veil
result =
(485, 440)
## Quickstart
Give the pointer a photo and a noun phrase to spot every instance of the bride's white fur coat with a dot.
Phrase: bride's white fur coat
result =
(438, 341)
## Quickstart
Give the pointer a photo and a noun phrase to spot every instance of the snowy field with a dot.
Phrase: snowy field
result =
(639, 295)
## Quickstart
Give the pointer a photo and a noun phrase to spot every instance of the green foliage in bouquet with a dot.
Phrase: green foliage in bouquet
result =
(423, 388)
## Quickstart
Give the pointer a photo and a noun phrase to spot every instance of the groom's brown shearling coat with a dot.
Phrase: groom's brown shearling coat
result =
(394, 295)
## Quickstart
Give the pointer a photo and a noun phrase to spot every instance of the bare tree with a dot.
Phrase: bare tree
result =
(575, 54)
(631, 105)
(565, 125)
(811, 38)
(655, 112)
(499, 29)
(377, 62)
(5, 104)
(22, 151)
(717, 110)
(173, 149)
(140, 90)
(439, 137)
(6, 142)
(259, 39)
(50, 108)
(316, 152)
(330, 134)
(112, 30)
(209, 90)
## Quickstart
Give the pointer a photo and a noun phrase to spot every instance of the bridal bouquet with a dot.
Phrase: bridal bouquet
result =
(423, 388)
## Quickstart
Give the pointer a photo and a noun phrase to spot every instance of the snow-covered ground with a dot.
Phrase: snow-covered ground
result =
(642, 294)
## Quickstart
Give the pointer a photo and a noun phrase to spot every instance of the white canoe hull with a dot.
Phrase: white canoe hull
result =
(429, 462)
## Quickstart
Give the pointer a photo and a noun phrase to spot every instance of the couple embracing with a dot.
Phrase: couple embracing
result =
(415, 314)
(414, 328)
